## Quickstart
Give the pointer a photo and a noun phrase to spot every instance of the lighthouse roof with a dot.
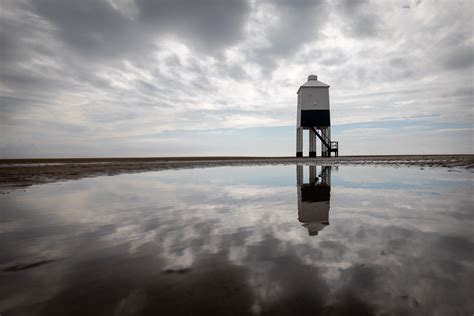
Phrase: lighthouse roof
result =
(313, 82)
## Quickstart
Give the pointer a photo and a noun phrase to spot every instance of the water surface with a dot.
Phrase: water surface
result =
(267, 240)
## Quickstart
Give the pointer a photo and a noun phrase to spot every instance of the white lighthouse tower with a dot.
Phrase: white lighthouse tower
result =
(314, 115)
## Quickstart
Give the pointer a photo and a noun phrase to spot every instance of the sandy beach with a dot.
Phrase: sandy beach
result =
(20, 173)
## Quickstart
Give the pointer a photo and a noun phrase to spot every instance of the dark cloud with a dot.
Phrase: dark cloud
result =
(207, 24)
(298, 23)
(51, 45)
(460, 57)
(99, 29)
(92, 28)
(360, 18)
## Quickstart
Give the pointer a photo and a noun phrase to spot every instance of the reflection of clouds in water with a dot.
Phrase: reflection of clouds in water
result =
(400, 253)
(440, 212)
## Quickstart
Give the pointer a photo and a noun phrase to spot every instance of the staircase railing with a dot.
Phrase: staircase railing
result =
(325, 140)
(331, 146)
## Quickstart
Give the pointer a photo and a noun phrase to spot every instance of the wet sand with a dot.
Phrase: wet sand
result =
(20, 173)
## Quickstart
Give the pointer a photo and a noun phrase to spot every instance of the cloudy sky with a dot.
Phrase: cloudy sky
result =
(212, 77)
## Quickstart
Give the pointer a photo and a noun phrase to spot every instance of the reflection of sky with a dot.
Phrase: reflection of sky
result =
(409, 178)
(283, 175)
(399, 241)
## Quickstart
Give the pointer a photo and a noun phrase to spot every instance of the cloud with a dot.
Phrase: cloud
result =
(360, 18)
(461, 58)
(207, 24)
(94, 29)
(292, 25)
(113, 68)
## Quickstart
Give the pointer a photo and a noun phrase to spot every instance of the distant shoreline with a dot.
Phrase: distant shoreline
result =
(20, 173)
(212, 158)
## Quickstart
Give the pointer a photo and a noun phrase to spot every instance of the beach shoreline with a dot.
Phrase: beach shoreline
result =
(21, 173)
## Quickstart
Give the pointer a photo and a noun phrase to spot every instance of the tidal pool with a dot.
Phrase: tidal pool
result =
(263, 240)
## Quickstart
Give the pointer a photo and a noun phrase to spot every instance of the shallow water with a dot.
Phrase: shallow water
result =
(276, 240)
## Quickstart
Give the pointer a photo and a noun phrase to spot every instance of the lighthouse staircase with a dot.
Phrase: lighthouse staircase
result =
(332, 147)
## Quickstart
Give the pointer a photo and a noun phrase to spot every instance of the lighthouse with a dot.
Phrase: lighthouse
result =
(313, 114)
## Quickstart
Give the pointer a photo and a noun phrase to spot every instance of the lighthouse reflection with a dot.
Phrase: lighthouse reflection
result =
(313, 198)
